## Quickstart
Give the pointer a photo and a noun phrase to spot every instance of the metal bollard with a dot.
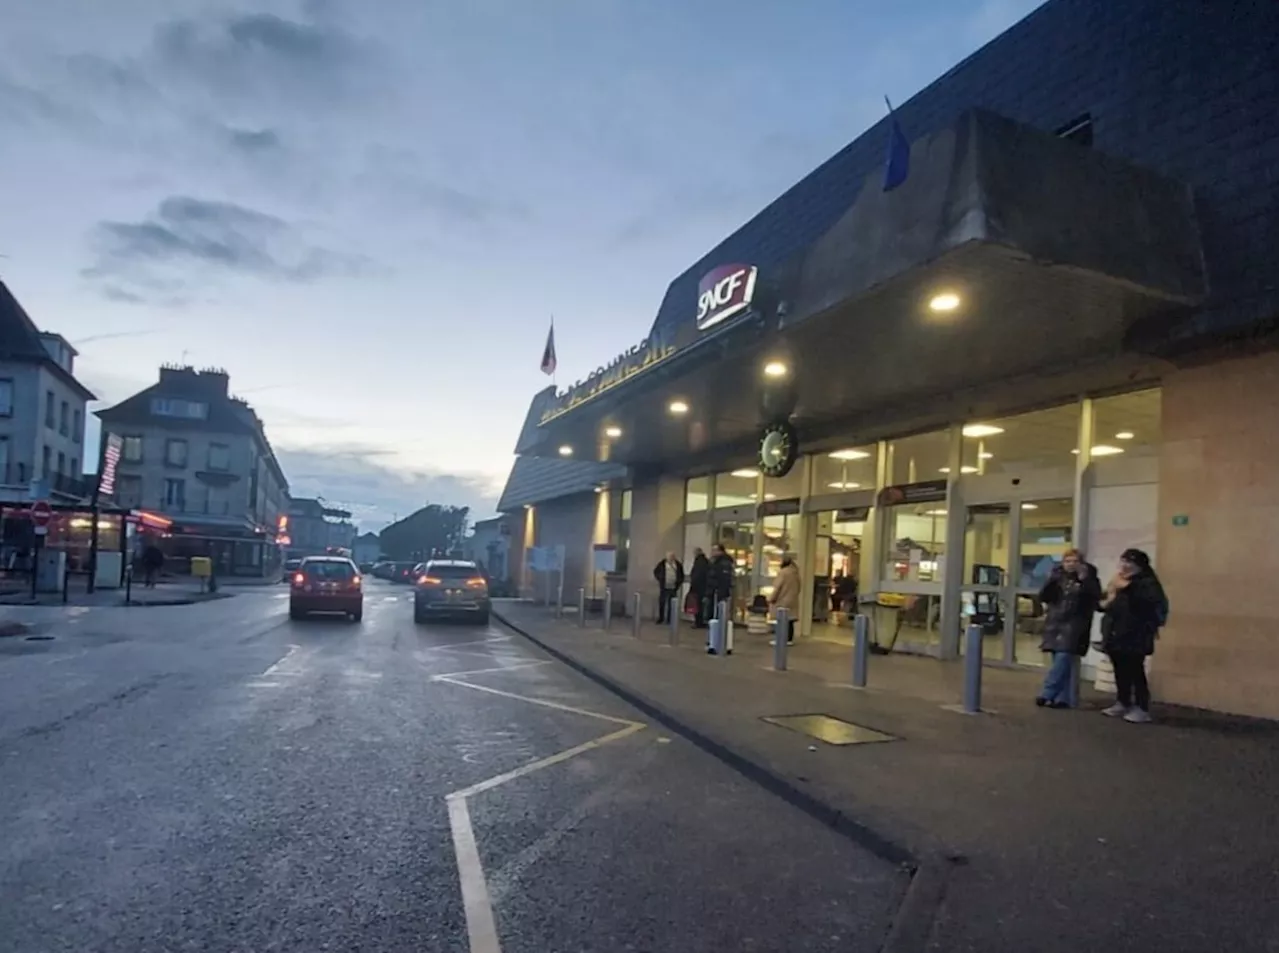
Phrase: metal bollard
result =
(582, 608)
(781, 623)
(973, 670)
(673, 608)
(861, 650)
(635, 615)
(607, 615)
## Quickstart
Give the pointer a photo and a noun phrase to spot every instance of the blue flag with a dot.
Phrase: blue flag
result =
(897, 160)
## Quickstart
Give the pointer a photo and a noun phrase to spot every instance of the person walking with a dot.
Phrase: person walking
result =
(152, 563)
(1135, 608)
(719, 580)
(1071, 595)
(670, 576)
(786, 595)
(698, 573)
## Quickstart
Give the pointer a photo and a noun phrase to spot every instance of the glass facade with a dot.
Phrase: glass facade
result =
(737, 487)
(697, 494)
(918, 458)
(1127, 423)
(848, 468)
(1034, 441)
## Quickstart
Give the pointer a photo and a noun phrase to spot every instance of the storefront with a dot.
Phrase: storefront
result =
(926, 393)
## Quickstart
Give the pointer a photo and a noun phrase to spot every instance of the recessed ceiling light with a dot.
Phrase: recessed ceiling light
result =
(613, 433)
(1076, 452)
(746, 473)
(849, 454)
(962, 469)
(1125, 435)
(935, 512)
(599, 489)
(775, 369)
(985, 455)
(843, 485)
(678, 407)
(1030, 506)
(566, 451)
(981, 430)
(945, 301)
(1105, 450)
(771, 496)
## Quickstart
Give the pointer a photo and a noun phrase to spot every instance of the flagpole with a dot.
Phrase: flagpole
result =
(553, 337)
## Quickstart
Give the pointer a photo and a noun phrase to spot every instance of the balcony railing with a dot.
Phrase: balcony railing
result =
(15, 474)
(64, 484)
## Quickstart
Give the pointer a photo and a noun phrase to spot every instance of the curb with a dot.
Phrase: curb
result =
(911, 924)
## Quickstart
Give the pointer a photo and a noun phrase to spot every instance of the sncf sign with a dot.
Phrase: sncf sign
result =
(723, 292)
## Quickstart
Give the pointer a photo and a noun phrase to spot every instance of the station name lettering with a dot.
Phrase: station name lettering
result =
(626, 365)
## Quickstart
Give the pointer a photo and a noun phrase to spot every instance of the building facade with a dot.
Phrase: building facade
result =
(366, 549)
(1058, 329)
(200, 457)
(314, 528)
(42, 411)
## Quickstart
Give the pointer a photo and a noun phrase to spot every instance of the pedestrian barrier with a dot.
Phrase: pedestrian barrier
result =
(861, 650)
(781, 625)
(973, 670)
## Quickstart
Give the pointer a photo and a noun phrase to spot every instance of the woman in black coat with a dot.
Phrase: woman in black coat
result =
(1071, 597)
(1135, 607)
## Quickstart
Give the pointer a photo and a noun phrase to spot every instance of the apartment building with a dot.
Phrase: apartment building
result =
(200, 457)
(42, 410)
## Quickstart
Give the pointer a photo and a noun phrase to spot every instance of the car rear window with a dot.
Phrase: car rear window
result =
(328, 570)
(452, 572)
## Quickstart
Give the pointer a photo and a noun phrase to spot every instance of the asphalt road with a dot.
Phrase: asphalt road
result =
(218, 778)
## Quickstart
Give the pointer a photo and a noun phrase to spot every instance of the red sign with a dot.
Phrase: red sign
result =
(723, 292)
(41, 512)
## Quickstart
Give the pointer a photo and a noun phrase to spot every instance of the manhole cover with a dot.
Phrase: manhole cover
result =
(39, 638)
(832, 731)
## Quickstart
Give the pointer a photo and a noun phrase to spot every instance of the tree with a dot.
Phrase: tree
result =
(434, 530)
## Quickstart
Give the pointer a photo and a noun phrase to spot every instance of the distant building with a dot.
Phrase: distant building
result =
(367, 548)
(42, 410)
(200, 457)
(489, 546)
(315, 527)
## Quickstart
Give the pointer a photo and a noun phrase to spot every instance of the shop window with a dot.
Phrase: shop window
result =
(1127, 423)
(780, 537)
(789, 487)
(737, 487)
(918, 458)
(916, 535)
(1034, 441)
(843, 469)
(697, 494)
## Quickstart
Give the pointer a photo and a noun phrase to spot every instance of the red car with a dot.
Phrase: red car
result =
(326, 584)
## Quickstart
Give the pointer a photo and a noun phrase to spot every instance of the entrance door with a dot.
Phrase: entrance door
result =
(738, 540)
(1043, 534)
(987, 594)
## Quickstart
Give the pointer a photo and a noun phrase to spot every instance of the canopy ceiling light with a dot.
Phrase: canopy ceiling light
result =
(566, 451)
(944, 301)
(775, 369)
(745, 473)
(849, 455)
(678, 407)
(981, 430)
(613, 433)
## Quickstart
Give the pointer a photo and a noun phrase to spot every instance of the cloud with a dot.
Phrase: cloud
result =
(254, 142)
(377, 494)
(194, 238)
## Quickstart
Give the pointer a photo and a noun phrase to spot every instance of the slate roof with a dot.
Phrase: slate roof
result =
(20, 341)
(539, 479)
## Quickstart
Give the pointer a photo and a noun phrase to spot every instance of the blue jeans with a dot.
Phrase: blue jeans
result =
(1057, 681)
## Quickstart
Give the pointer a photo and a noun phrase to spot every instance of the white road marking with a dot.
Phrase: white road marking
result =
(462, 645)
(275, 669)
(482, 931)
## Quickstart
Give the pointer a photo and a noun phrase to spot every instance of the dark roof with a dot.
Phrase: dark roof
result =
(538, 479)
(20, 341)
(227, 415)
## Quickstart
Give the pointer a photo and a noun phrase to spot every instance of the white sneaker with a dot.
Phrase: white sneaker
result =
(1136, 716)
(1116, 710)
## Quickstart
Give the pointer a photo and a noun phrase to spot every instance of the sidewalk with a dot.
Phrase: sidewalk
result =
(1066, 830)
(164, 594)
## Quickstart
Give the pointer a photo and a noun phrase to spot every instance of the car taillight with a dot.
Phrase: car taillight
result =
(355, 582)
(476, 583)
(428, 581)
(299, 579)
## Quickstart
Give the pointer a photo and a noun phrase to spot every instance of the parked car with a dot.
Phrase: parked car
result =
(451, 588)
(326, 584)
(403, 572)
(291, 566)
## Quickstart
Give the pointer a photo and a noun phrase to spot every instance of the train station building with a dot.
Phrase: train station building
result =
(1057, 330)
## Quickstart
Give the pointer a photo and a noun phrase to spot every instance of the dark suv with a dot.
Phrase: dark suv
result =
(451, 588)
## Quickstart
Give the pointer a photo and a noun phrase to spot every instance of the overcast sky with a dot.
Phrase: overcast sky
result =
(366, 212)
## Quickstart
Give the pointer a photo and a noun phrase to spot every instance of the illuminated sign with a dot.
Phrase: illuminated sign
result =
(110, 463)
(723, 292)
(603, 379)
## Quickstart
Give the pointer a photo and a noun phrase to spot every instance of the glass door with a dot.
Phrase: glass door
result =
(738, 540)
(1044, 533)
(987, 589)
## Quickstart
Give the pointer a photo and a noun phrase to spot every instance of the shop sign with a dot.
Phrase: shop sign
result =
(110, 463)
(930, 491)
(779, 507)
(853, 514)
(723, 292)
(623, 367)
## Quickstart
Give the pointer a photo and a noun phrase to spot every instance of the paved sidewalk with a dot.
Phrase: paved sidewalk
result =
(1067, 831)
(164, 594)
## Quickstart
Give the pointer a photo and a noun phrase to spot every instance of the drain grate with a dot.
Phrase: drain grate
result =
(832, 731)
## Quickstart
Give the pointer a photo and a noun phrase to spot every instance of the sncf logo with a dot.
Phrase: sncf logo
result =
(723, 292)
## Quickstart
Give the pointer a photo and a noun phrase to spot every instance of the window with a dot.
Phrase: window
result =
(178, 407)
(1038, 440)
(444, 571)
(49, 404)
(77, 428)
(1128, 424)
(736, 488)
(219, 456)
(175, 493)
(918, 459)
(129, 490)
(697, 494)
(843, 469)
(46, 456)
(62, 463)
(132, 450)
(4, 460)
(916, 539)
(64, 419)
(339, 570)
(175, 453)
(6, 397)
(75, 467)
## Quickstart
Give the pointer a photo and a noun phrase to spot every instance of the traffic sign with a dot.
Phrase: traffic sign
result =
(41, 513)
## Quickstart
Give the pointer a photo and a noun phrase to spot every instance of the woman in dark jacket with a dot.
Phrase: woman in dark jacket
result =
(1071, 597)
(1135, 608)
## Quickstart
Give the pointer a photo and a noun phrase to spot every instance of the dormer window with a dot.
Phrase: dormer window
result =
(179, 407)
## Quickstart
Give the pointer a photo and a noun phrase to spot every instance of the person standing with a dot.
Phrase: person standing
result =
(786, 595)
(152, 563)
(1136, 608)
(698, 587)
(719, 579)
(670, 576)
(1071, 594)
